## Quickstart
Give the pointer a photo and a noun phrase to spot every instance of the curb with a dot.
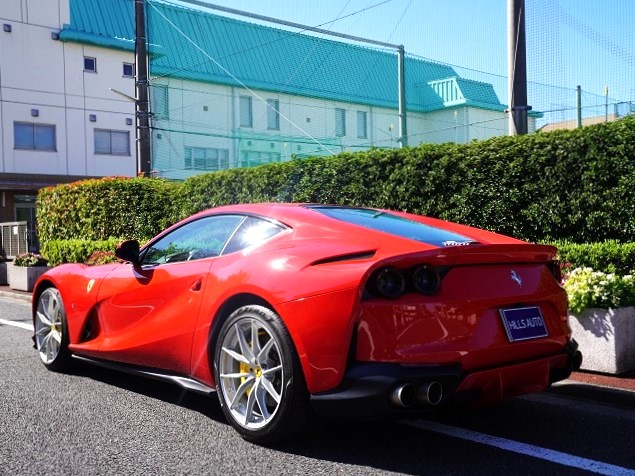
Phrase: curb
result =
(613, 393)
(17, 295)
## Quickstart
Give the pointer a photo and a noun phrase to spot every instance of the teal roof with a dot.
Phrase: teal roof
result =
(109, 24)
(271, 59)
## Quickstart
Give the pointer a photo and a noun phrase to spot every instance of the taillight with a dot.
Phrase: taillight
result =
(388, 282)
(556, 270)
(425, 279)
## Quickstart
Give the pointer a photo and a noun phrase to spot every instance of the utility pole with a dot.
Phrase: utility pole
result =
(142, 103)
(401, 78)
(517, 67)
(578, 91)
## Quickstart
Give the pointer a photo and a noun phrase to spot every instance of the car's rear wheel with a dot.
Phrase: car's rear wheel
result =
(259, 381)
(51, 331)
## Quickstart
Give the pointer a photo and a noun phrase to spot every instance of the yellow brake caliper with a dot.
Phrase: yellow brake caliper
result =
(246, 369)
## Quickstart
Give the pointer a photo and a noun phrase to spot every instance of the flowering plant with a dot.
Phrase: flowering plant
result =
(30, 259)
(101, 257)
(587, 288)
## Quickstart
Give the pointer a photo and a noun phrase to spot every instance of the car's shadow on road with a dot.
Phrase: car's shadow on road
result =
(381, 446)
(205, 404)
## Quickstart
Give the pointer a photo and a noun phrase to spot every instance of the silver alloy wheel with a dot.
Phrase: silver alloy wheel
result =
(251, 373)
(49, 326)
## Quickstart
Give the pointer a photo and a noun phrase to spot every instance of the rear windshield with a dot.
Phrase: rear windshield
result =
(395, 225)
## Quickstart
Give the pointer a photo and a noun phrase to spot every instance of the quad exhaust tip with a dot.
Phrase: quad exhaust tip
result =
(405, 395)
(430, 393)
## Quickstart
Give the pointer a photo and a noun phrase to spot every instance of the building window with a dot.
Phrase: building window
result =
(252, 158)
(128, 70)
(340, 122)
(160, 103)
(90, 64)
(209, 159)
(112, 142)
(30, 136)
(273, 114)
(246, 113)
(362, 132)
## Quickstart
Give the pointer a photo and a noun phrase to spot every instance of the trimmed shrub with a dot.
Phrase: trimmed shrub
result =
(97, 209)
(576, 186)
(607, 257)
(75, 251)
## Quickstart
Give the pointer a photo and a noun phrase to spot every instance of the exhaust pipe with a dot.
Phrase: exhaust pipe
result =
(430, 393)
(403, 396)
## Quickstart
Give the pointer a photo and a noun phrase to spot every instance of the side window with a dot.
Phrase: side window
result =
(31, 136)
(128, 70)
(90, 64)
(160, 101)
(246, 112)
(203, 238)
(251, 232)
(340, 122)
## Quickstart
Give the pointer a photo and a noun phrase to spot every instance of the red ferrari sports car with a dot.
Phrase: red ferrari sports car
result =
(287, 310)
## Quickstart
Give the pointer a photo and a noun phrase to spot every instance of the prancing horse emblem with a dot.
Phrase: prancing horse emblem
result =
(516, 278)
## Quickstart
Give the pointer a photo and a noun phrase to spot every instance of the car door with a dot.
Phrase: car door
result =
(147, 312)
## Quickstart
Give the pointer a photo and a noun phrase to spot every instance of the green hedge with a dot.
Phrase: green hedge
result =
(102, 208)
(75, 251)
(606, 257)
(576, 186)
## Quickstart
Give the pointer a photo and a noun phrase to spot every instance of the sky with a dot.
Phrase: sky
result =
(590, 43)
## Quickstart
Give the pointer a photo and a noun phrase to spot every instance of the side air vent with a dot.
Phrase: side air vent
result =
(346, 257)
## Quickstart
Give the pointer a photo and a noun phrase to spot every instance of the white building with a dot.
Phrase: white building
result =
(60, 120)
(247, 94)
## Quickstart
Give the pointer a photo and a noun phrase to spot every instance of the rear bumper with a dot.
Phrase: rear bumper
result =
(387, 389)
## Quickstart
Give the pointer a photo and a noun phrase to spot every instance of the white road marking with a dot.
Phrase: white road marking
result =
(21, 325)
(546, 454)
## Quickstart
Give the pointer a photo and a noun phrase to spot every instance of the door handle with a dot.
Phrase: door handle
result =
(196, 285)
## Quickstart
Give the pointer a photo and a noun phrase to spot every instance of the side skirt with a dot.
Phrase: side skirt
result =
(184, 382)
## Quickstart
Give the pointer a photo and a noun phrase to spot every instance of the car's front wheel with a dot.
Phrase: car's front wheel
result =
(51, 331)
(259, 381)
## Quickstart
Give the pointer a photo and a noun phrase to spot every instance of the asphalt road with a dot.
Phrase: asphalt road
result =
(95, 421)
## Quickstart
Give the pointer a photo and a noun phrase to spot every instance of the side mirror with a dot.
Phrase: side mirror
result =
(128, 251)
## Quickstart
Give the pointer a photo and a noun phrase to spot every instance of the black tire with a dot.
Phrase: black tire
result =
(51, 331)
(260, 384)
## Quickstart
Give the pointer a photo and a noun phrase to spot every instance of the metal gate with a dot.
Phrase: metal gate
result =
(14, 238)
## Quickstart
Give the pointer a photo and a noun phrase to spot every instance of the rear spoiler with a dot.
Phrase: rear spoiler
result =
(480, 254)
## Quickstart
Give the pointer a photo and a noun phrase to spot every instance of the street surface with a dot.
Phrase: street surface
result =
(96, 421)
